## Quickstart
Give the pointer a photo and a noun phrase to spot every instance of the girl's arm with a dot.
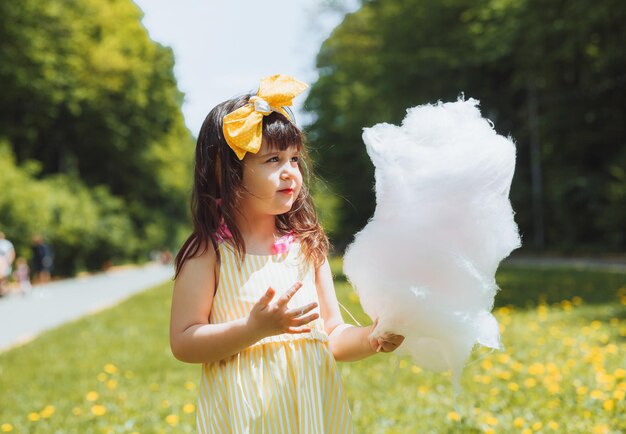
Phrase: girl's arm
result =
(347, 342)
(194, 340)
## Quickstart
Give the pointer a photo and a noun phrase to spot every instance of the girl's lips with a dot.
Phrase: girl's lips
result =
(286, 191)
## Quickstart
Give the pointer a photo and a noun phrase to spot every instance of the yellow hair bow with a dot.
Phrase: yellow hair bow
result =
(243, 128)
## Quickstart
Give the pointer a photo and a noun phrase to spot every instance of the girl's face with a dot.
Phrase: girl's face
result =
(271, 180)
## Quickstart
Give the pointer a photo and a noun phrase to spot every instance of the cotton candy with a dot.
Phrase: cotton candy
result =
(425, 263)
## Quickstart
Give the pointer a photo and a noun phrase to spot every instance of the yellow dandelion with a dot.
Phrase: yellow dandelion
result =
(154, 387)
(490, 431)
(423, 389)
(403, 364)
(503, 358)
(595, 324)
(486, 364)
(513, 387)
(608, 405)
(600, 429)
(554, 403)
(188, 408)
(92, 396)
(582, 390)
(597, 394)
(98, 410)
(536, 369)
(47, 411)
(6, 427)
(619, 373)
(530, 382)
(527, 431)
(518, 422)
(416, 369)
(112, 384)
(494, 391)
(586, 414)
(490, 420)
(454, 416)
(110, 368)
(517, 366)
(505, 375)
(566, 305)
(102, 377)
(536, 426)
(165, 403)
(577, 301)
(553, 388)
(570, 363)
(619, 395)
(77, 411)
(553, 425)
(172, 419)
(33, 417)
(190, 385)
(486, 379)
(476, 411)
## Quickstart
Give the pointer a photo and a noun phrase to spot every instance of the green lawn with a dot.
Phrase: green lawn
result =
(563, 369)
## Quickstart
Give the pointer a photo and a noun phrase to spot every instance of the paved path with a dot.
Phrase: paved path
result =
(617, 265)
(23, 317)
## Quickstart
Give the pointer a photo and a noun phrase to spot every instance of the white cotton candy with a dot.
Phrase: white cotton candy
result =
(425, 264)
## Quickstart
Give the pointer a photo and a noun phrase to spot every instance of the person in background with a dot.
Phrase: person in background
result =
(22, 276)
(42, 260)
(7, 256)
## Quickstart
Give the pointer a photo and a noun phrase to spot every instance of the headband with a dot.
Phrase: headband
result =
(243, 128)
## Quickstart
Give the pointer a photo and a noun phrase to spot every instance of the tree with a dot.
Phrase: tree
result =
(389, 56)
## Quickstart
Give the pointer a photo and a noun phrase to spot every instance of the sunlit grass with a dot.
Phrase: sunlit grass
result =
(563, 369)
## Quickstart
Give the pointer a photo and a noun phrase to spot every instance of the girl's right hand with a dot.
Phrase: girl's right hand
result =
(274, 319)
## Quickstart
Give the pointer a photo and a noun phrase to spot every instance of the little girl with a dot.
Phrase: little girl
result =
(254, 300)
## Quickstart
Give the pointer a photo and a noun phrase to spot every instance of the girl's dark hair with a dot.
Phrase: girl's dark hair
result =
(218, 176)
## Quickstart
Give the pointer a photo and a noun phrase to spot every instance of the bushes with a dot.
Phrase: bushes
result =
(85, 227)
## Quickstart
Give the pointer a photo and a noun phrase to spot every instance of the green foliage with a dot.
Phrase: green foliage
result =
(88, 95)
(84, 226)
(562, 370)
(389, 56)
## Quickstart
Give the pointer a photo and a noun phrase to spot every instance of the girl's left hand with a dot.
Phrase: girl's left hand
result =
(385, 343)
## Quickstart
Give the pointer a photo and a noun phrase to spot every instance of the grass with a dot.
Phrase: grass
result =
(563, 369)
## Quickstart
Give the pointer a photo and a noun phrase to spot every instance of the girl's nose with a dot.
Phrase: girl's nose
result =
(287, 173)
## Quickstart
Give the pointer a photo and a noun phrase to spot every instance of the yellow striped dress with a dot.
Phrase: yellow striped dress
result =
(282, 384)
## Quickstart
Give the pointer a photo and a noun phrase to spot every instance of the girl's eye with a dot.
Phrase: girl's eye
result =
(293, 159)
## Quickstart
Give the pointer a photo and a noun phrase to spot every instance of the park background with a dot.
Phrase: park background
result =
(96, 155)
